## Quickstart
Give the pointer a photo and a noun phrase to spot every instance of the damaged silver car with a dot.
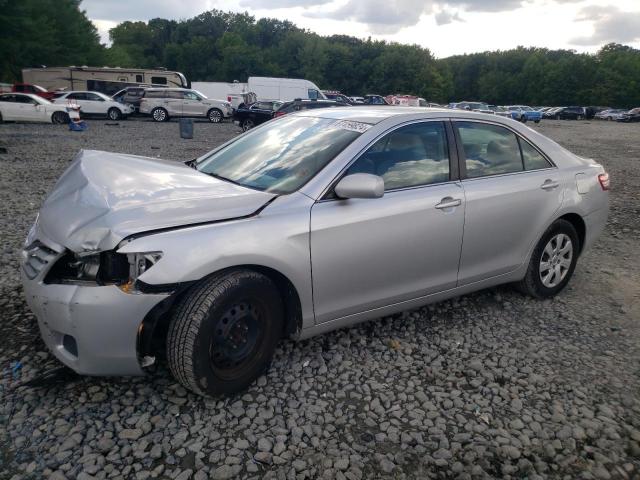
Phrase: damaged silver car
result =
(305, 224)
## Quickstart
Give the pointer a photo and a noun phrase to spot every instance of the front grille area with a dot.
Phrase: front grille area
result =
(36, 257)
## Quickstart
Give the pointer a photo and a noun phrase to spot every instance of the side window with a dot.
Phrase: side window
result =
(93, 97)
(533, 160)
(489, 149)
(191, 96)
(24, 99)
(312, 93)
(8, 98)
(174, 94)
(159, 80)
(77, 96)
(19, 88)
(410, 156)
(138, 78)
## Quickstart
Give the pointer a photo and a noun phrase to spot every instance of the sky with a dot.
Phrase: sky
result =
(446, 27)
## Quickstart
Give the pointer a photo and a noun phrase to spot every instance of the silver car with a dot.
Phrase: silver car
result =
(310, 222)
(164, 103)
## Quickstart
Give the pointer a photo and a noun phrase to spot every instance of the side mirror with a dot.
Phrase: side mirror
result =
(360, 185)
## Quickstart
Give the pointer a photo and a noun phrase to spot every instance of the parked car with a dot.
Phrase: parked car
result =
(357, 100)
(255, 114)
(569, 113)
(32, 89)
(610, 115)
(374, 100)
(164, 103)
(591, 111)
(130, 96)
(632, 115)
(241, 100)
(95, 104)
(475, 107)
(500, 111)
(303, 104)
(550, 112)
(337, 96)
(214, 258)
(522, 113)
(26, 107)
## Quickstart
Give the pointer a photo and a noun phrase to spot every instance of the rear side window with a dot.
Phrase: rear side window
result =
(23, 99)
(77, 96)
(489, 149)
(8, 98)
(154, 94)
(532, 158)
(410, 156)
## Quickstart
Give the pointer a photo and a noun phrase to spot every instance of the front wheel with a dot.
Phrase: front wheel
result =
(223, 333)
(59, 118)
(114, 114)
(215, 115)
(523, 119)
(552, 262)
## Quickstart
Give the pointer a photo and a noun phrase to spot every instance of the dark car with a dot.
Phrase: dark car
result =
(299, 104)
(255, 114)
(130, 95)
(375, 100)
(337, 96)
(569, 113)
(632, 115)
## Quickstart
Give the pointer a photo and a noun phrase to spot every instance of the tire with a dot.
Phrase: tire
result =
(579, 117)
(159, 115)
(558, 250)
(59, 118)
(247, 125)
(609, 119)
(215, 115)
(523, 119)
(224, 331)
(2, 120)
(537, 121)
(114, 114)
(557, 117)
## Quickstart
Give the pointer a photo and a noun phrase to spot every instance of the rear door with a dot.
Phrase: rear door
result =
(512, 192)
(369, 253)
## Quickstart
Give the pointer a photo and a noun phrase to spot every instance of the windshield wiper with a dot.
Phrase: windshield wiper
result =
(191, 163)
(220, 177)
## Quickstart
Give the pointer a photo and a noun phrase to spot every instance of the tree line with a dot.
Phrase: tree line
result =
(225, 46)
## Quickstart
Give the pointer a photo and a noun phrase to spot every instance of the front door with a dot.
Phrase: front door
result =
(511, 190)
(369, 253)
(192, 105)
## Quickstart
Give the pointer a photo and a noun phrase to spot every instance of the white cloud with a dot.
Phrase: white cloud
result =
(610, 24)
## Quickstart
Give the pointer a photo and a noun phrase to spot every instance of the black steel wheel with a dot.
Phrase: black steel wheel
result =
(224, 331)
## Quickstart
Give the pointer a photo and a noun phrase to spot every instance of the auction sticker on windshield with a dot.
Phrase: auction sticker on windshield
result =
(352, 126)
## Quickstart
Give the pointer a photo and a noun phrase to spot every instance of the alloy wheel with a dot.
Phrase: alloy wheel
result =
(159, 115)
(215, 116)
(555, 261)
(247, 125)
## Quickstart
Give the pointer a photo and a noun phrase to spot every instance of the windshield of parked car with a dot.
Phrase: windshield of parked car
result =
(282, 155)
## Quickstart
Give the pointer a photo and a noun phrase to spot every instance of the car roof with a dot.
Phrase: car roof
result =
(377, 114)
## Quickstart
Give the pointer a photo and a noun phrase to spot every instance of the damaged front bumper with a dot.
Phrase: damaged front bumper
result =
(90, 328)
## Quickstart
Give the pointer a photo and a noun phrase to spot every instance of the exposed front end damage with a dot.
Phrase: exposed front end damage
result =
(83, 289)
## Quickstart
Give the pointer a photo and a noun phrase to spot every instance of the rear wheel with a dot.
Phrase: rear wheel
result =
(215, 115)
(1, 119)
(224, 331)
(59, 118)
(523, 119)
(552, 262)
(159, 115)
(247, 125)
(114, 114)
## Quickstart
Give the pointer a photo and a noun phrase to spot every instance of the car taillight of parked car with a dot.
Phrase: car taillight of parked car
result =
(603, 178)
(279, 114)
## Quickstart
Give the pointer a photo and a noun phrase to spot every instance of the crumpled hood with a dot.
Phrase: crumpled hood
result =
(105, 197)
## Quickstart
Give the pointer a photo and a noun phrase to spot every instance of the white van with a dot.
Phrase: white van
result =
(285, 89)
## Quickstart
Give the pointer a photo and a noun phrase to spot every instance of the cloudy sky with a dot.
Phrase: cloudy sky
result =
(447, 27)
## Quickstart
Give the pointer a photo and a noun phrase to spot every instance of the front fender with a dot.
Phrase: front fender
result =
(277, 238)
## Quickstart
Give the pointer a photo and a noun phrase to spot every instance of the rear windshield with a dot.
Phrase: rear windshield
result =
(282, 155)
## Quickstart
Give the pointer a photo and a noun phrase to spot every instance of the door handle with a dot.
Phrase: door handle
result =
(448, 202)
(549, 185)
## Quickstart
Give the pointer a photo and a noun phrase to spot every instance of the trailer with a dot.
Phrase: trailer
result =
(107, 80)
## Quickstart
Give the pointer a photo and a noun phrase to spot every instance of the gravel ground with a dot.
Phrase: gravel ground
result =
(489, 385)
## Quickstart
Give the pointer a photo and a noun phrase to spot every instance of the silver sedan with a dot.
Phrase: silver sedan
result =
(308, 223)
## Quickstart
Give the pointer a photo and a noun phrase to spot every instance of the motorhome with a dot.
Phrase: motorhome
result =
(102, 79)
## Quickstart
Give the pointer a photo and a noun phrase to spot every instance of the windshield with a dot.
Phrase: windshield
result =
(198, 92)
(283, 155)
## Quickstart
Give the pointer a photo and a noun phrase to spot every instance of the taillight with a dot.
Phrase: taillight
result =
(279, 114)
(229, 98)
(603, 178)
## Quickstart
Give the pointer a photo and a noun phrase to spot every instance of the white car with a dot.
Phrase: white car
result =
(26, 107)
(96, 103)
